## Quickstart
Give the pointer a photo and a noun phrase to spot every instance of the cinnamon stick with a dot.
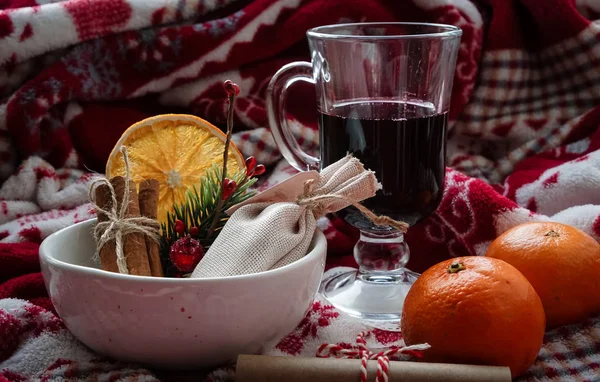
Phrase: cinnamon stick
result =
(108, 252)
(149, 208)
(134, 244)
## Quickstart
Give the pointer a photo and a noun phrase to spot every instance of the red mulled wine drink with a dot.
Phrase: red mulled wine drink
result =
(404, 143)
(383, 94)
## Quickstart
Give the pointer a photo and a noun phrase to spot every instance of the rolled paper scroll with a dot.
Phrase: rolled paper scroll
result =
(258, 368)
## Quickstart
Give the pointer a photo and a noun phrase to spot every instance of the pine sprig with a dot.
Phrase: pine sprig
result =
(200, 207)
(202, 215)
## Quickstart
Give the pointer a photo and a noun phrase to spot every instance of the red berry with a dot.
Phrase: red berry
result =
(186, 253)
(194, 231)
(250, 165)
(260, 169)
(231, 88)
(231, 185)
(228, 187)
(179, 226)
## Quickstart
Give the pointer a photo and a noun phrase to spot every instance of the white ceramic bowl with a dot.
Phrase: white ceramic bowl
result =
(175, 323)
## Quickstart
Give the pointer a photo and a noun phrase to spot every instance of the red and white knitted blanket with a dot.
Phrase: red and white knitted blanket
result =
(524, 140)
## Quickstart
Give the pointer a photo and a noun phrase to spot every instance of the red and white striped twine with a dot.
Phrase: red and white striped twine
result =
(365, 354)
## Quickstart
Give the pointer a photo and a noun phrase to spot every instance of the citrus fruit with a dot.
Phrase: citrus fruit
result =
(561, 262)
(174, 149)
(475, 310)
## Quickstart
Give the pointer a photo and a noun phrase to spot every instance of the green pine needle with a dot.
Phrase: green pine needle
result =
(200, 205)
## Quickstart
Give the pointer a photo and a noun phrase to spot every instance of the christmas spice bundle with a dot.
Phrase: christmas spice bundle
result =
(127, 233)
(137, 233)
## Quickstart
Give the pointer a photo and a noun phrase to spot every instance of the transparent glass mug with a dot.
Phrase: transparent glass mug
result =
(383, 94)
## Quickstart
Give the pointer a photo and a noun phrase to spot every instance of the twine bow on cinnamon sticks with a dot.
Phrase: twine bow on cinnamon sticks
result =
(127, 233)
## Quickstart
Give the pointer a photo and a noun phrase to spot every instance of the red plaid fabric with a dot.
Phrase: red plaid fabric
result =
(526, 103)
(570, 353)
(524, 141)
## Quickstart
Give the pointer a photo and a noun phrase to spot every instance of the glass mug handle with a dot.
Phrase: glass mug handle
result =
(276, 98)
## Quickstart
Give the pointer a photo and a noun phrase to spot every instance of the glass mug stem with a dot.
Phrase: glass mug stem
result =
(282, 133)
(381, 257)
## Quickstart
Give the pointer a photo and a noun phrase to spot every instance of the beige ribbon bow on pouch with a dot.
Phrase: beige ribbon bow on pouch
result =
(268, 235)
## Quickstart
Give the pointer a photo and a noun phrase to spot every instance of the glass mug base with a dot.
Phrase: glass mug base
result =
(375, 299)
(376, 291)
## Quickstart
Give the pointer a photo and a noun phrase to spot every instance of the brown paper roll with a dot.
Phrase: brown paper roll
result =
(256, 368)
(149, 208)
(134, 244)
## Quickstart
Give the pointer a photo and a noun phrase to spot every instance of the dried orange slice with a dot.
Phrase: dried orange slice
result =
(175, 149)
